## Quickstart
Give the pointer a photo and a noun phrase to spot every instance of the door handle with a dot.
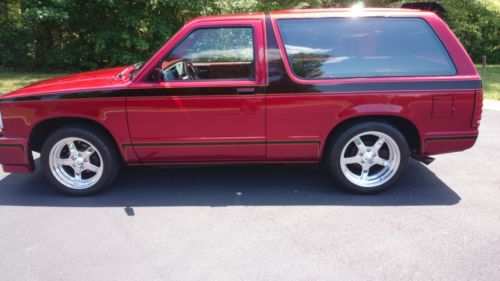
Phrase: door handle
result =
(245, 91)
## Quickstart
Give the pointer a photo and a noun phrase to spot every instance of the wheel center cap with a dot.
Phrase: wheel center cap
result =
(79, 161)
(368, 156)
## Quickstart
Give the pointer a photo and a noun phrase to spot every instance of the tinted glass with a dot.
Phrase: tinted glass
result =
(212, 53)
(363, 47)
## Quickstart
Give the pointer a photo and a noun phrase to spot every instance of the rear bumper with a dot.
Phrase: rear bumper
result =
(15, 156)
(447, 144)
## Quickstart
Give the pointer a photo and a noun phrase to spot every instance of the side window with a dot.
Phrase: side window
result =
(363, 47)
(225, 53)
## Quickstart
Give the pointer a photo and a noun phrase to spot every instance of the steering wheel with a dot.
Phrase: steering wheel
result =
(187, 71)
(190, 70)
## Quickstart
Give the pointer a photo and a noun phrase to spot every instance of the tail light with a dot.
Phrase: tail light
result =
(478, 109)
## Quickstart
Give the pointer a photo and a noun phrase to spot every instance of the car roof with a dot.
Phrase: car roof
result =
(326, 12)
(382, 11)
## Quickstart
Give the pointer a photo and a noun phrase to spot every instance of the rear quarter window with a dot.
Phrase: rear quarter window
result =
(363, 47)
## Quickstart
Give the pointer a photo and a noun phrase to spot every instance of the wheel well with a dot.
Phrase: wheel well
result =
(45, 128)
(406, 127)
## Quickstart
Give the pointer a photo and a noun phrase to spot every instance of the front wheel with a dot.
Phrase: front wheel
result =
(79, 160)
(368, 157)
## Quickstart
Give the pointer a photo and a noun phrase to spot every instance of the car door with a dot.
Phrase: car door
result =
(203, 100)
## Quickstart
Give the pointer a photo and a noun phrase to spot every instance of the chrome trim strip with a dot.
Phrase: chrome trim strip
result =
(1, 121)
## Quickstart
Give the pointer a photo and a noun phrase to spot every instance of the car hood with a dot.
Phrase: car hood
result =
(86, 81)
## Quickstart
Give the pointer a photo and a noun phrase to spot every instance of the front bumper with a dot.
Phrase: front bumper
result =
(15, 155)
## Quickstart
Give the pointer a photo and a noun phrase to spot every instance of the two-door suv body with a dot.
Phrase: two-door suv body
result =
(360, 90)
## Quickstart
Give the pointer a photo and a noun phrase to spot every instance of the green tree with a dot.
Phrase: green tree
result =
(477, 25)
(66, 35)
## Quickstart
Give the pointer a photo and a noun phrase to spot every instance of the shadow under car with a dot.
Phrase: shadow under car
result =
(219, 186)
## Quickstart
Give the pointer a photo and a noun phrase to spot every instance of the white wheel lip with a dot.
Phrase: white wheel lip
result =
(381, 177)
(60, 174)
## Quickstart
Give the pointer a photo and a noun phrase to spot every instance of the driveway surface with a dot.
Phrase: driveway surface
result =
(441, 222)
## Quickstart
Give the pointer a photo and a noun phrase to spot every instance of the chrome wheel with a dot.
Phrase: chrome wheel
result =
(76, 163)
(370, 159)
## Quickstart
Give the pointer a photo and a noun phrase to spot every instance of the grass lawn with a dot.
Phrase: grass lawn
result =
(10, 81)
(491, 81)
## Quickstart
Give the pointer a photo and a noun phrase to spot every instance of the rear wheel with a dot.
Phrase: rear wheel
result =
(79, 160)
(368, 157)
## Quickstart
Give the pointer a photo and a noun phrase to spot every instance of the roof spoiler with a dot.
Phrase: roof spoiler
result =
(426, 6)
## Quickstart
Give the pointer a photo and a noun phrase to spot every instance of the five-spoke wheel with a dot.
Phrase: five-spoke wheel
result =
(76, 163)
(79, 160)
(368, 157)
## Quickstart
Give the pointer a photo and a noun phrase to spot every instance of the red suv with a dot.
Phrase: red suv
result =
(361, 91)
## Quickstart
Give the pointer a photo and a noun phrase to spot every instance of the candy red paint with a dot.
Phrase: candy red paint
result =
(286, 119)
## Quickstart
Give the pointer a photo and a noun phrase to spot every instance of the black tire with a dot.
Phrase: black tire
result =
(100, 140)
(341, 139)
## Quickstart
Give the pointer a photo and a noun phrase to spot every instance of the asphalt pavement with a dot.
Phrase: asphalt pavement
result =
(440, 222)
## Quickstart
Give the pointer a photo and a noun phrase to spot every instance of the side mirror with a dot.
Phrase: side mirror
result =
(157, 75)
